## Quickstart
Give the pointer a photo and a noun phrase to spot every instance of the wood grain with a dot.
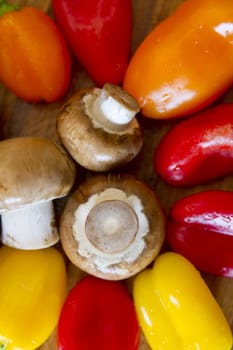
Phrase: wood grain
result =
(19, 118)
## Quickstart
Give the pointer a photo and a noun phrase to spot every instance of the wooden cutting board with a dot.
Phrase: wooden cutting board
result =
(19, 118)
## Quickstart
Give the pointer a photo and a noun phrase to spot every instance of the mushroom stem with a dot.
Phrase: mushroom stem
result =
(111, 226)
(112, 107)
(30, 227)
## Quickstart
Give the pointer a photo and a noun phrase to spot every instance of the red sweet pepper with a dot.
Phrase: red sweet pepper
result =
(200, 228)
(99, 34)
(198, 149)
(35, 63)
(98, 314)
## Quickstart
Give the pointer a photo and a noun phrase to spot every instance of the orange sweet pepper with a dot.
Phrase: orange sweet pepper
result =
(186, 62)
(35, 63)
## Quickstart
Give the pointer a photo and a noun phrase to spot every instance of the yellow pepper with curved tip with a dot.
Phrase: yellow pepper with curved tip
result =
(32, 292)
(176, 310)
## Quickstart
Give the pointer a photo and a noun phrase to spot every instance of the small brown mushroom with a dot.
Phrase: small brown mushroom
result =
(99, 129)
(33, 172)
(112, 226)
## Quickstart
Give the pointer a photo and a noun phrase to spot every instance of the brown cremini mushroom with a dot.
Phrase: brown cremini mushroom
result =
(99, 129)
(112, 226)
(33, 172)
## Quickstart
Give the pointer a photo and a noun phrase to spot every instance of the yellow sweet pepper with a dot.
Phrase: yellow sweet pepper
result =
(175, 308)
(32, 292)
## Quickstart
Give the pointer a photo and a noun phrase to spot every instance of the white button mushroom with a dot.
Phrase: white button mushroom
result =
(33, 172)
(112, 226)
(99, 129)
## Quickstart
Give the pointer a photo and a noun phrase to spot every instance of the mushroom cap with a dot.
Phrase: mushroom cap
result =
(151, 208)
(91, 145)
(33, 169)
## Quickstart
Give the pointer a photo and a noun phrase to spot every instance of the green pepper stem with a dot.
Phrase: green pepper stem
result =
(2, 346)
(5, 7)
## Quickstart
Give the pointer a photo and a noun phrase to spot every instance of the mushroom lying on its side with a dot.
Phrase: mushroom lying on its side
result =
(99, 129)
(33, 172)
(112, 226)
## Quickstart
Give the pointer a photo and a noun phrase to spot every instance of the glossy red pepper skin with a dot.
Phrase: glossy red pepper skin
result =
(99, 34)
(198, 149)
(201, 229)
(98, 314)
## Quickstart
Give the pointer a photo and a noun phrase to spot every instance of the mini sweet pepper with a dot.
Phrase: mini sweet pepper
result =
(186, 62)
(35, 62)
(198, 149)
(32, 292)
(98, 314)
(176, 310)
(99, 35)
(200, 227)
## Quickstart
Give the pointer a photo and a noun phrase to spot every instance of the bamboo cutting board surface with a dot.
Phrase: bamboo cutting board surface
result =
(19, 118)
